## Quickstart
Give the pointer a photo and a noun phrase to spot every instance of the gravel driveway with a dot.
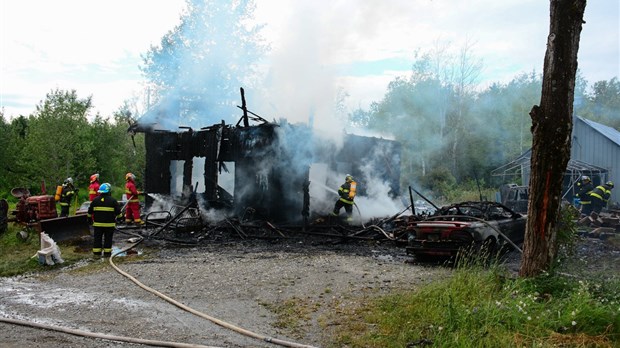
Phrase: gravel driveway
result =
(249, 285)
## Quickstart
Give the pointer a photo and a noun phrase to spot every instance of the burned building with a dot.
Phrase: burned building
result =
(262, 170)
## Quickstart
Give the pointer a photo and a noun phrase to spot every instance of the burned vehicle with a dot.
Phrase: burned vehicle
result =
(463, 225)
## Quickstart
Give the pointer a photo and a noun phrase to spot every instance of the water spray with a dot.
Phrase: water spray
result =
(327, 188)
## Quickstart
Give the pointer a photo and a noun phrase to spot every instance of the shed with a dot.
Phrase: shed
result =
(595, 151)
(598, 145)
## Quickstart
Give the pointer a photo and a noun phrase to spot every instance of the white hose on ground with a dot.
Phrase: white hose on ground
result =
(200, 314)
(104, 336)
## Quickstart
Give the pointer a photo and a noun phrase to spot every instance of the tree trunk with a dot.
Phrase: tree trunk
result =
(551, 132)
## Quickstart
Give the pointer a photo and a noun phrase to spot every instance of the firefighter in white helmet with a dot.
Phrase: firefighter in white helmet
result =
(584, 187)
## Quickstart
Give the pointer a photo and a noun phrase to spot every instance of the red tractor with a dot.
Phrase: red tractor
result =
(39, 212)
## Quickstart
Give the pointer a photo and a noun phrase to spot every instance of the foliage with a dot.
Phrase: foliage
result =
(200, 65)
(482, 306)
(57, 144)
(444, 125)
(602, 103)
(59, 141)
(566, 232)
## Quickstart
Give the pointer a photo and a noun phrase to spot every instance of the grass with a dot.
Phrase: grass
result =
(19, 257)
(292, 313)
(481, 307)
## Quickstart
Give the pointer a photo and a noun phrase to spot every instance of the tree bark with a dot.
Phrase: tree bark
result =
(552, 125)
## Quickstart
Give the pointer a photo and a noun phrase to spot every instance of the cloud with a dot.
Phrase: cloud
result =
(315, 44)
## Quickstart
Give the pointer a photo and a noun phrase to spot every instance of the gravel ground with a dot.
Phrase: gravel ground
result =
(241, 284)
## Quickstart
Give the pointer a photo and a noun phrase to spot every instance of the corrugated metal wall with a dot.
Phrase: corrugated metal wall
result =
(590, 146)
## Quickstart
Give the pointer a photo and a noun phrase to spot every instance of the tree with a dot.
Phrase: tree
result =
(114, 151)
(200, 65)
(58, 143)
(551, 134)
(603, 103)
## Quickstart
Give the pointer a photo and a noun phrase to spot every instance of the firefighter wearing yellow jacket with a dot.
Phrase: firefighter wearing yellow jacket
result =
(103, 209)
(599, 197)
(584, 187)
(347, 193)
(66, 196)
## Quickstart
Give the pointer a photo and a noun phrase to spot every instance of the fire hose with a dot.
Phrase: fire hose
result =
(103, 336)
(198, 313)
(155, 342)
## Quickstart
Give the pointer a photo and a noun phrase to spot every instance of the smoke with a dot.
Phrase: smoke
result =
(300, 86)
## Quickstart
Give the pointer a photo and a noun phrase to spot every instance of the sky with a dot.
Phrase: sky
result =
(95, 47)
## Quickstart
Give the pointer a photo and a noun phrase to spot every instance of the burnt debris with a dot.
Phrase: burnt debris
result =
(261, 169)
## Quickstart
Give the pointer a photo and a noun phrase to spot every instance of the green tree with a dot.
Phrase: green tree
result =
(13, 171)
(200, 65)
(502, 118)
(602, 104)
(58, 143)
(5, 158)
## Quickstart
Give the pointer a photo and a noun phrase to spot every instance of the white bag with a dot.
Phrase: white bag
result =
(50, 252)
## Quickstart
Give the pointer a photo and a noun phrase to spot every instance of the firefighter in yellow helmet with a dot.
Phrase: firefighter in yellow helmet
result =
(132, 210)
(347, 193)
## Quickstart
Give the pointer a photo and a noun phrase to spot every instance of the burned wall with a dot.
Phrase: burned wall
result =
(271, 166)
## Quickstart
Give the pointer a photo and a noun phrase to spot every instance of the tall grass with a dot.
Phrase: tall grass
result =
(482, 307)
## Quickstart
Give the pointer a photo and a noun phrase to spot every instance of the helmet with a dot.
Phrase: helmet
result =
(585, 178)
(130, 176)
(69, 181)
(610, 184)
(94, 177)
(104, 188)
(348, 178)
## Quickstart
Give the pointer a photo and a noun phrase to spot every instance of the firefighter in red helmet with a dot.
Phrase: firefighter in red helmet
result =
(93, 187)
(132, 210)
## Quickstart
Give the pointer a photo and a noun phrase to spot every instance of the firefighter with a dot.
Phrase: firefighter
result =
(598, 199)
(103, 209)
(132, 210)
(584, 187)
(599, 196)
(347, 193)
(66, 196)
(93, 188)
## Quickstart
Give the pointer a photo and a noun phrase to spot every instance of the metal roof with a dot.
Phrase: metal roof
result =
(522, 164)
(607, 131)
